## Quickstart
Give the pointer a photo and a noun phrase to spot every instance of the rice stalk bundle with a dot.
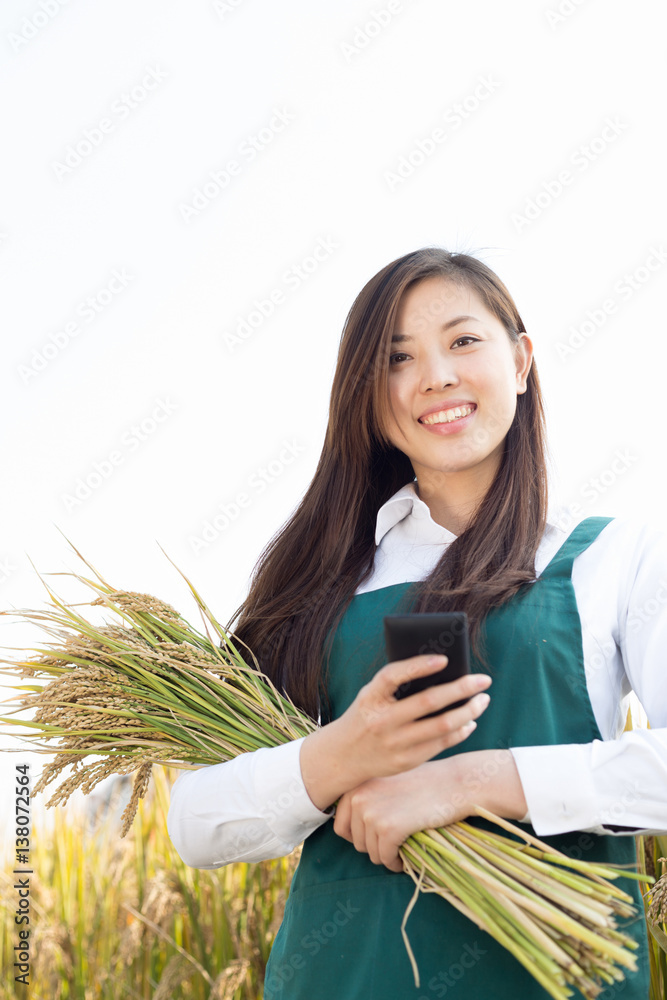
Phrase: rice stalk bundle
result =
(151, 689)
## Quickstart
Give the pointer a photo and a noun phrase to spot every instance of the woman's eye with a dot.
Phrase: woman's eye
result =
(465, 341)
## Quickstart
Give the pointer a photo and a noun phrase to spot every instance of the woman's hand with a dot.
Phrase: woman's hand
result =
(379, 736)
(378, 816)
(390, 735)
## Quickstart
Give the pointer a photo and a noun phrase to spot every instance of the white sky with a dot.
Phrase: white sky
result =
(526, 104)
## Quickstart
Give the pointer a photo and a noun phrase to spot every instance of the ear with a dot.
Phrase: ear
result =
(524, 360)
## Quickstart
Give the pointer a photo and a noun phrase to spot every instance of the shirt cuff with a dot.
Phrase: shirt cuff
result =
(605, 787)
(281, 794)
(558, 787)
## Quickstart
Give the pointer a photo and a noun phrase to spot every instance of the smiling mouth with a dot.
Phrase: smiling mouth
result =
(447, 416)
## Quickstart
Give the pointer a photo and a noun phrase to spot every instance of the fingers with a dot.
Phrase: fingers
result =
(447, 730)
(394, 674)
(351, 824)
(342, 818)
(362, 842)
(388, 735)
(417, 705)
(440, 696)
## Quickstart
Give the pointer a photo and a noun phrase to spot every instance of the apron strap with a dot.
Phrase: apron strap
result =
(577, 542)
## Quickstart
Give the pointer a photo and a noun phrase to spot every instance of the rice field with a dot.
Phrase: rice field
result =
(125, 919)
(649, 851)
(116, 918)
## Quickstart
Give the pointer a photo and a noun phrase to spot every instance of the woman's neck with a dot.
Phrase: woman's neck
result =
(455, 505)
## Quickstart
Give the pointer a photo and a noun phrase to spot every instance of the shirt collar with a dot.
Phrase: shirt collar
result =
(405, 503)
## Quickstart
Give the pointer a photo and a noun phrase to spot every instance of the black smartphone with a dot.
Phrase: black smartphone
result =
(412, 635)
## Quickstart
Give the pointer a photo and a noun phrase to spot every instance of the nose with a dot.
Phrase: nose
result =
(438, 371)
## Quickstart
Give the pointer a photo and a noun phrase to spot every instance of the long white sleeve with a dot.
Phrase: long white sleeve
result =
(251, 808)
(597, 786)
(256, 807)
(620, 781)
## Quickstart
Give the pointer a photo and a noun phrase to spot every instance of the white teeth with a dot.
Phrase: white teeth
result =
(446, 416)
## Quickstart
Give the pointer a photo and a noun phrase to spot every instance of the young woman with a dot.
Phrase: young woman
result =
(430, 495)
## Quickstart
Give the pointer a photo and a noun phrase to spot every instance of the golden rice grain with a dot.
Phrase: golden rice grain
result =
(175, 972)
(657, 911)
(141, 779)
(229, 980)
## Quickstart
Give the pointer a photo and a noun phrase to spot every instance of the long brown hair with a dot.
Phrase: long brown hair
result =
(308, 573)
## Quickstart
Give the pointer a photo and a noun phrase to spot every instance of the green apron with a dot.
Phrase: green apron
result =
(340, 937)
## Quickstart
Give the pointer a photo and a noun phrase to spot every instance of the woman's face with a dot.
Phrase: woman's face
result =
(454, 376)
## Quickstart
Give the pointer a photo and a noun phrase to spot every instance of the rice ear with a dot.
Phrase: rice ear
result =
(152, 689)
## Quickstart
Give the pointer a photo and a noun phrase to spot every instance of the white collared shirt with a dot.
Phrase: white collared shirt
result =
(256, 806)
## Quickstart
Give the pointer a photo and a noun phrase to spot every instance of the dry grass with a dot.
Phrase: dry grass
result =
(146, 689)
(113, 919)
(154, 690)
(652, 858)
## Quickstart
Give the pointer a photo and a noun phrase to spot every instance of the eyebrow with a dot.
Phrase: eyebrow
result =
(402, 338)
